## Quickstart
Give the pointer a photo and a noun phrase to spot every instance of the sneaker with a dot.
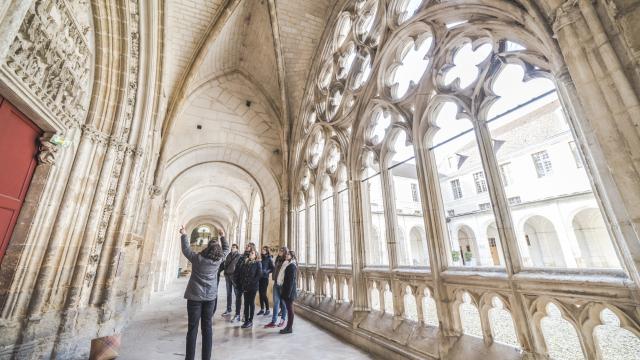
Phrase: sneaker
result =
(266, 313)
(286, 331)
(282, 323)
(236, 318)
(247, 325)
(270, 325)
(226, 313)
(261, 312)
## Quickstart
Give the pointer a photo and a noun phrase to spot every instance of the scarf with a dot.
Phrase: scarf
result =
(280, 280)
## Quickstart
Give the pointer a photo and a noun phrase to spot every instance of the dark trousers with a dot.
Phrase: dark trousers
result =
(230, 291)
(264, 300)
(289, 304)
(238, 292)
(200, 311)
(249, 304)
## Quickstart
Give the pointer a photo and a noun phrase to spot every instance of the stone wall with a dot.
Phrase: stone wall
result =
(72, 269)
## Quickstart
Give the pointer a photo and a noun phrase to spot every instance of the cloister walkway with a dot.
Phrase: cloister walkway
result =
(158, 332)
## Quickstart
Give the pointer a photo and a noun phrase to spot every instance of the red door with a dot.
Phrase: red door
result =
(18, 149)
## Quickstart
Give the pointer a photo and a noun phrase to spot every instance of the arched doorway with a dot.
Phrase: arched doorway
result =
(419, 251)
(541, 238)
(494, 243)
(468, 246)
(596, 249)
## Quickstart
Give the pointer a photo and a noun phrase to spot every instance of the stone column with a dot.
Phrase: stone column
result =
(360, 296)
(605, 112)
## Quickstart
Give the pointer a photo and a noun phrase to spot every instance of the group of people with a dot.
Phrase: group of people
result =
(246, 275)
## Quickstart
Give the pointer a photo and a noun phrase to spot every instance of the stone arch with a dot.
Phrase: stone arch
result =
(266, 181)
(468, 245)
(542, 239)
(419, 248)
(596, 249)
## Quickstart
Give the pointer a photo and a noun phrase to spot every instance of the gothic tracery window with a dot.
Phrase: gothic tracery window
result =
(468, 112)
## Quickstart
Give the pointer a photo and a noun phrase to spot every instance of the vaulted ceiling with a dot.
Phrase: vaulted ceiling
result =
(233, 77)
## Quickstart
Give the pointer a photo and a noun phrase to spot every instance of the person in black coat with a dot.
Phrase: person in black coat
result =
(229, 267)
(288, 281)
(250, 275)
(236, 279)
(267, 268)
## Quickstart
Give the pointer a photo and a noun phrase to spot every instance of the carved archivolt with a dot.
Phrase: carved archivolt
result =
(52, 57)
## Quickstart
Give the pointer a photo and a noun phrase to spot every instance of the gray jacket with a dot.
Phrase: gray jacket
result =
(203, 285)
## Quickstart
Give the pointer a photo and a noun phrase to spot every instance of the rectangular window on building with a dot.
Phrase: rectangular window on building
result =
(514, 200)
(456, 189)
(485, 206)
(542, 162)
(415, 194)
(481, 182)
(505, 174)
(575, 153)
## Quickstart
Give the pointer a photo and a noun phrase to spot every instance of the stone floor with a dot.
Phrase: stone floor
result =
(158, 332)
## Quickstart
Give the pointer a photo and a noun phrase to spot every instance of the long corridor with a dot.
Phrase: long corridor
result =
(158, 332)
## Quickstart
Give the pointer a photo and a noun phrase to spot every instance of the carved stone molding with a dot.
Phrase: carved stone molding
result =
(154, 191)
(566, 14)
(52, 58)
(93, 134)
(47, 152)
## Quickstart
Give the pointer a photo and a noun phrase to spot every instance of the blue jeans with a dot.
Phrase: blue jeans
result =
(200, 312)
(278, 303)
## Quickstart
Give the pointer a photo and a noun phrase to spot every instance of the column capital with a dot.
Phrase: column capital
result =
(566, 14)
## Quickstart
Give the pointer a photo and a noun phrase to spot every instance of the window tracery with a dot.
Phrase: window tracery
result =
(422, 99)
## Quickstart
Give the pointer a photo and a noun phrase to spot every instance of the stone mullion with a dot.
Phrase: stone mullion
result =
(318, 235)
(360, 302)
(320, 231)
(507, 234)
(432, 208)
(389, 218)
(337, 228)
(391, 223)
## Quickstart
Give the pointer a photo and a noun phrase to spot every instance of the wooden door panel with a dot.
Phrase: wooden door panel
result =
(18, 149)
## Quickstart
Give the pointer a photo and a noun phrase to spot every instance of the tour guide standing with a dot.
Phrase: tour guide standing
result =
(202, 291)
